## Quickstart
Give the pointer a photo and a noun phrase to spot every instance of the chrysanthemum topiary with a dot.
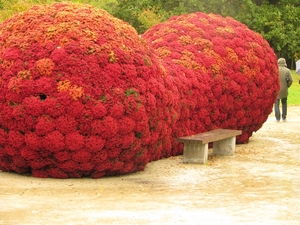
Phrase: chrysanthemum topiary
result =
(226, 74)
(81, 95)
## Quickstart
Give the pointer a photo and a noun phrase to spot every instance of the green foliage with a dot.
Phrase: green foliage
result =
(148, 18)
(278, 24)
(108, 5)
(294, 90)
(130, 92)
(141, 14)
(9, 7)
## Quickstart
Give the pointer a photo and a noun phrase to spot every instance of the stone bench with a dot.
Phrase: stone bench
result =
(196, 146)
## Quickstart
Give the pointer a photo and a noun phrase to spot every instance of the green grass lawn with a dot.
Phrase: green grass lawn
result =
(294, 90)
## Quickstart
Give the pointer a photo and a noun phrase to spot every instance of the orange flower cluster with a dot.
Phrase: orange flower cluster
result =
(45, 66)
(24, 74)
(14, 84)
(74, 91)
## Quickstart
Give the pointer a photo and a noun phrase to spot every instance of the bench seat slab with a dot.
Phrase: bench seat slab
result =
(211, 136)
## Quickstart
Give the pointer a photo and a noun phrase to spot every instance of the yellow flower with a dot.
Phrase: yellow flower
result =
(112, 58)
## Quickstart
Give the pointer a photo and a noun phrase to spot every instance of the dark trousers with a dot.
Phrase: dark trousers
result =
(284, 108)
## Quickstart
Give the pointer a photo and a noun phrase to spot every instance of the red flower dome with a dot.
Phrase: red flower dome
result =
(81, 94)
(226, 74)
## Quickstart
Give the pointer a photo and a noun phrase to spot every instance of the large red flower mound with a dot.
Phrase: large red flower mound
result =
(81, 94)
(225, 73)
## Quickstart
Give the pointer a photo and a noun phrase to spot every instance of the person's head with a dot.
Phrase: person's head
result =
(281, 62)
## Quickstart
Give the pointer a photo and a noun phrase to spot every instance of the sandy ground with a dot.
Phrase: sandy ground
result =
(260, 184)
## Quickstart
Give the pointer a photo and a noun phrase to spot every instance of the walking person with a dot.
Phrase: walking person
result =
(286, 80)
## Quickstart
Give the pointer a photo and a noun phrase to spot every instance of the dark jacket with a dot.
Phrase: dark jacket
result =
(285, 78)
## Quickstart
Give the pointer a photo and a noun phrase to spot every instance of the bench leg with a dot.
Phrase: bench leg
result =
(224, 147)
(194, 152)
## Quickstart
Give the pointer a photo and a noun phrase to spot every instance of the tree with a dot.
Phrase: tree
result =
(277, 21)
